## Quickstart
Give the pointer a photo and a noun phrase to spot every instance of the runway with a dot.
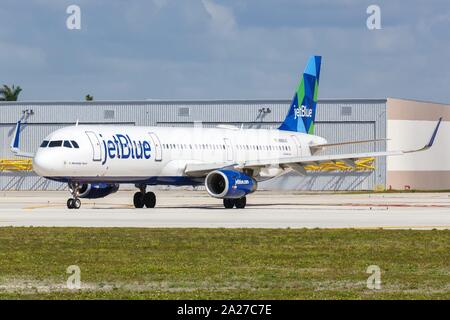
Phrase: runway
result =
(195, 209)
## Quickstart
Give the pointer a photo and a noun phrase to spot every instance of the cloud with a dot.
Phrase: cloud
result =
(18, 57)
(224, 49)
(222, 18)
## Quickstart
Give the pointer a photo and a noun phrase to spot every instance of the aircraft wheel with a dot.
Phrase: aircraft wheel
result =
(138, 200)
(240, 203)
(228, 203)
(73, 203)
(150, 200)
(70, 203)
(76, 204)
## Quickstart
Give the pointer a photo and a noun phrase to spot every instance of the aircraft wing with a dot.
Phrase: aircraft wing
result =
(202, 169)
(15, 144)
(327, 145)
(297, 163)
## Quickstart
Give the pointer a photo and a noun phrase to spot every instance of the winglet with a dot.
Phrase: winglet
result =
(430, 143)
(15, 143)
(433, 136)
(15, 140)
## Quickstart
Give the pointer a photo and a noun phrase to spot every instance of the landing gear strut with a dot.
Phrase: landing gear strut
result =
(143, 198)
(74, 202)
(238, 203)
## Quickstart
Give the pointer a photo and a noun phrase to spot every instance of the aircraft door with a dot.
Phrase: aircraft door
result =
(96, 147)
(228, 149)
(298, 146)
(157, 144)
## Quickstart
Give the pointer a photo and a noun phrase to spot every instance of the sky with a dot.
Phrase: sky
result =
(215, 49)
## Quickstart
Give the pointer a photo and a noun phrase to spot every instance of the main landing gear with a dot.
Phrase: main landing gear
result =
(74, 202)
(238, 203)
(143, 198)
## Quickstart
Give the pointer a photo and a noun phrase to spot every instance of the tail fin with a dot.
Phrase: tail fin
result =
(302, 112)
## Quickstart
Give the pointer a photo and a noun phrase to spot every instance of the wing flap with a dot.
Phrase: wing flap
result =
(317, 159)
(327, 145)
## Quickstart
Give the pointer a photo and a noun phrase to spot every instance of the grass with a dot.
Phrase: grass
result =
(125, 263)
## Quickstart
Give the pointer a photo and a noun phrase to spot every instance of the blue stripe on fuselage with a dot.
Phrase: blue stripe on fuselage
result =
(161, 180)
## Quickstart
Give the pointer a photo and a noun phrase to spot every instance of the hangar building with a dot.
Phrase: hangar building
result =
(407, 123)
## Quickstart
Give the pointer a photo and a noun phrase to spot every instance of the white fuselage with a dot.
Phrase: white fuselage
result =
(159, 155)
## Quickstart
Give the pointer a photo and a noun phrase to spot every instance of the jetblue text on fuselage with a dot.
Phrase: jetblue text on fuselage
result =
(302, 112)
(121, 146)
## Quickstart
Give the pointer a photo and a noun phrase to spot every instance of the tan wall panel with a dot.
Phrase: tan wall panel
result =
(419, 180)
(401, 109)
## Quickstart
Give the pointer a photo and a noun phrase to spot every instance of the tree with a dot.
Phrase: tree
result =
(9, 93)
(88, 97)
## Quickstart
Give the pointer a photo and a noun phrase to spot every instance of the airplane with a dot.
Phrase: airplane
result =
(229, 161)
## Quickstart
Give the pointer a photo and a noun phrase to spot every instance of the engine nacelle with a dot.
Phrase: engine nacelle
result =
(97, 190)
(229, 184)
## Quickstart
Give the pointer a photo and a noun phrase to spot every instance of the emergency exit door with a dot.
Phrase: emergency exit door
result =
(228, 149)
(96, 147)
(157, 144)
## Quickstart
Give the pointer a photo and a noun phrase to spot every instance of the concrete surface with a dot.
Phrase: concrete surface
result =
(183, 208)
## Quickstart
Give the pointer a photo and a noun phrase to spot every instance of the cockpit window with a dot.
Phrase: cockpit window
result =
(67, 144)
(75, 144)
(55, 143)
(44, 144)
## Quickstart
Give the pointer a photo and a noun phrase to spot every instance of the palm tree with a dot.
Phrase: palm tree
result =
(9, 94)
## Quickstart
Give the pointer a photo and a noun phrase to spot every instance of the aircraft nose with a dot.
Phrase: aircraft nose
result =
(42, 163)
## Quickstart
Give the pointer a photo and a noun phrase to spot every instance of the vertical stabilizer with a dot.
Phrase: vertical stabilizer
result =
(302, 112)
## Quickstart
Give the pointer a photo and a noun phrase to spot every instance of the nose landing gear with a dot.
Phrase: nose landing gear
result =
(143, 198)
(75, 202)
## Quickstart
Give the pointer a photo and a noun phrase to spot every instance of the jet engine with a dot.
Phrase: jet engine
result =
(97, 190)
(229, 184)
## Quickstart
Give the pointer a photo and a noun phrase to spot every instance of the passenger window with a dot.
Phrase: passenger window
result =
(67, 144)
(54, 144)
(75, 144)
(44, 144)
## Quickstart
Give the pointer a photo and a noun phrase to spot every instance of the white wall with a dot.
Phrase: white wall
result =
(412, 134)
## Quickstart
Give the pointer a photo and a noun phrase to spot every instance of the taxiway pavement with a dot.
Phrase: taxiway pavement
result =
(195, 209)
